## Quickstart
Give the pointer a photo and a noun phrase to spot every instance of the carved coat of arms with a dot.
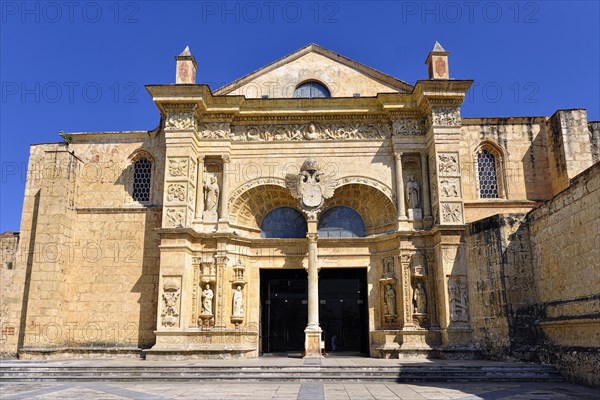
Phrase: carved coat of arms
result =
(311, 185)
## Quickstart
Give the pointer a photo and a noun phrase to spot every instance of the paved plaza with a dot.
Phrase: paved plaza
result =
(75, 387)
(293, 391)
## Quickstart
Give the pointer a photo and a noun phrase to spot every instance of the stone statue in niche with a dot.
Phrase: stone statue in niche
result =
(390, 301)
(238, 302)
(211, 195)
(170, 296)
(420, 299)
(458, 301)
(207, 297)
(388, 267)
(414, 193)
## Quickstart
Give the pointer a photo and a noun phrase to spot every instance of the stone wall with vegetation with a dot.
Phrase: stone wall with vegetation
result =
(535, 282)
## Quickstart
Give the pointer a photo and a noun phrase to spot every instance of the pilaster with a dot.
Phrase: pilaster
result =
(179, 197)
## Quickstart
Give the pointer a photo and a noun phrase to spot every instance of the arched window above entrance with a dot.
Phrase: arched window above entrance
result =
(311, 90)
(283, 222)
(341, 222)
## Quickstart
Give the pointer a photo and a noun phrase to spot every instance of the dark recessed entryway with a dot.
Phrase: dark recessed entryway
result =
(343, 311)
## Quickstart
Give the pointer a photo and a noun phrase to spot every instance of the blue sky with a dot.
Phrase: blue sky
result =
(82, 66)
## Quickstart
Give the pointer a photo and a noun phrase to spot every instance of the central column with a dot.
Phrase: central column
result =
(312, 342)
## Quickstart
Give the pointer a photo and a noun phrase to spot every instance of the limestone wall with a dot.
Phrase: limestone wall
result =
(10, 292)
(86, 272)
(523, 172)
(594, 128)
(535, 281)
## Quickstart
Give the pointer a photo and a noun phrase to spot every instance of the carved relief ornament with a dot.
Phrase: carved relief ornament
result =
(181, 121)
(409, 126)
(448, 116)
(312, 131)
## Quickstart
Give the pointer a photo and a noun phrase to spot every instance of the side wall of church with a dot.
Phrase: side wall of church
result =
(86, 272)
(556, 318)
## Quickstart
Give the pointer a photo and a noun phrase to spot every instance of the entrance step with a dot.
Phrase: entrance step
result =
(404, 373)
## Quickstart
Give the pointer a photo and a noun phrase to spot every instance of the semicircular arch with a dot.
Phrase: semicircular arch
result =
(374, 206)
(249, 207)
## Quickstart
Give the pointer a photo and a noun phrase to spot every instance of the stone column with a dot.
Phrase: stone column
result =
(400, 187)
(223, 206)
(312, 343)
(425, 180)
(200, 189)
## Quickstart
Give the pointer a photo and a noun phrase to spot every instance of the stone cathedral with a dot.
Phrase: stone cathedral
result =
(314, 206)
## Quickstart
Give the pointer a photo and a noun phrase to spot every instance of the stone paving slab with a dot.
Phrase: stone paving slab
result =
(295, 391)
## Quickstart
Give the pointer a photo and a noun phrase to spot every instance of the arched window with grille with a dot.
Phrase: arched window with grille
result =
(311, 90)
(489, 172)
(142, 179)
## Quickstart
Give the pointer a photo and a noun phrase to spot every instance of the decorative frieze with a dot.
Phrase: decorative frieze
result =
(351, 131)
(214, 130)
(409, 126)
(446, 116)
(181, 121)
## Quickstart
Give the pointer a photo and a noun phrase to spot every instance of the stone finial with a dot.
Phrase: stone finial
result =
(437, 62)
(186, 67)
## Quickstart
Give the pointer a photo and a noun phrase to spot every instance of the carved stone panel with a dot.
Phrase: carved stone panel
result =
(452, 213)
(448, 163)
(458, 300)
(446, 116)
(408, 126)
(450, 188)
(170, 310)
(312, 131)
(214, 130)
(181, 121)
(176, 192)
(175, 217)
(178, 166)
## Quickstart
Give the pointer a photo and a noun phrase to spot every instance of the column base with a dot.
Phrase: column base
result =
(312, 342)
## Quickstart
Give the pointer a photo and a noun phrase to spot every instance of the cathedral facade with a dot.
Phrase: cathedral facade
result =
(316, 205)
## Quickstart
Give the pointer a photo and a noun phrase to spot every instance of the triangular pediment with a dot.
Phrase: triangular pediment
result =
(342, 76)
